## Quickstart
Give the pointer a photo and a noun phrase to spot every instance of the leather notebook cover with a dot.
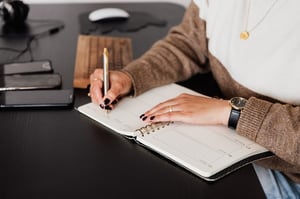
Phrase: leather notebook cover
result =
(89, 56)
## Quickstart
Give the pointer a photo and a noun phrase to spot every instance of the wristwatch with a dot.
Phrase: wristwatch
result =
(237, 105)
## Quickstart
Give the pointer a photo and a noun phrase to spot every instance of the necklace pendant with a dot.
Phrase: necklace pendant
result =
(244, 35)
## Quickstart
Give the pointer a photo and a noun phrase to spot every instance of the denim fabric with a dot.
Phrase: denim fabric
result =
(276, 185)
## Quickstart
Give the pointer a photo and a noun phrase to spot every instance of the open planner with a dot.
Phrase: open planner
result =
(210, 152)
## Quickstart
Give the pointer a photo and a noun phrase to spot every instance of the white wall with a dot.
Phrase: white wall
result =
(181, 2)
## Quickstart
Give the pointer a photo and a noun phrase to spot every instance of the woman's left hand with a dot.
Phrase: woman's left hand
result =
(190, 109)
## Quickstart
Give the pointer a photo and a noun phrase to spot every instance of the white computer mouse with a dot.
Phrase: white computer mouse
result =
(107, 13)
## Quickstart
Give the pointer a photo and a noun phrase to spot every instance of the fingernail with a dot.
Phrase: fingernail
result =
(107, 108)
(141, 116)
(144, 118)
(106, 101)
(101, 106)
(152, 117)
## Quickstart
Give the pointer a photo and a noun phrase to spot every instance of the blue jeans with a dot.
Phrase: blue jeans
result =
(276, 185)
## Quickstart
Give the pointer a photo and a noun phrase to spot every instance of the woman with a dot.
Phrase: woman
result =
(251, 47)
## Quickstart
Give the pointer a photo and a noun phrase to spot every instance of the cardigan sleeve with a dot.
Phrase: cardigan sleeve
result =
(275, 126)
(178, 56)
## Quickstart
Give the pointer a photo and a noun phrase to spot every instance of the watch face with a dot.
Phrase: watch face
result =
(238, 103)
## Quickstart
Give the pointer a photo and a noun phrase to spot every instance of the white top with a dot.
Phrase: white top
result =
(269, 61)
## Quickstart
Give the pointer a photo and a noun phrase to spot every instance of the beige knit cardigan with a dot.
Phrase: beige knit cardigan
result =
(183, 53)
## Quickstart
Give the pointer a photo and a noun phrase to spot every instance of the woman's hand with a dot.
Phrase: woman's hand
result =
(190, 109)
(120, 85)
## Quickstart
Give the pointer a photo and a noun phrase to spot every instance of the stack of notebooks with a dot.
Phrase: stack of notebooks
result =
(32, 84)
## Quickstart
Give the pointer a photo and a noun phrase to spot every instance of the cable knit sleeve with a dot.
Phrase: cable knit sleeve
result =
(181, 54)
(275, 126)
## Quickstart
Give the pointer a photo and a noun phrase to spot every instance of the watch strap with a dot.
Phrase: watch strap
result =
(234, 118)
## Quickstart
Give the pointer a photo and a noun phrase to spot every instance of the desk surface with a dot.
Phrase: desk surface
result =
(62, 154)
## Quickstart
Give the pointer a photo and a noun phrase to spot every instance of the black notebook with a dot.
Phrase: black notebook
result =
(209, 152)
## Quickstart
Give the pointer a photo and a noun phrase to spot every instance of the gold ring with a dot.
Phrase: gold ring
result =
(170, 109)
(96, 79)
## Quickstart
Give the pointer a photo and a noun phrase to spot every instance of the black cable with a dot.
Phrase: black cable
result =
(57, 26)
(27, 48)
(22, 51)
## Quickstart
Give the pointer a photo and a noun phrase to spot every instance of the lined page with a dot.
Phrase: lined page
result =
(205, 150)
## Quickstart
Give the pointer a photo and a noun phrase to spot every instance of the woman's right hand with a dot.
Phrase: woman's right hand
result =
(120, 85)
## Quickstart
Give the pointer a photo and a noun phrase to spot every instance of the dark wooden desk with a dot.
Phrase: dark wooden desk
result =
(62, 154)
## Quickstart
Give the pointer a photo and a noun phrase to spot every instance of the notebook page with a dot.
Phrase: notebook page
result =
(205, 150)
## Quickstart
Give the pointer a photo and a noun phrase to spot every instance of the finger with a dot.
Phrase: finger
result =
(164, 110)
(183, 102)
(98, 73)
(164, 107)
(116, 90)
(111, 96)
(96, 85)
(96, 91)
(167, 117)
(116, 101)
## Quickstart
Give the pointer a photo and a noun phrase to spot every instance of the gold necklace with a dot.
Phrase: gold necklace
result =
(246, 33)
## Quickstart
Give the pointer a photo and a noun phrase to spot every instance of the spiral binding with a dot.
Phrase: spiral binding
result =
(152, 127)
